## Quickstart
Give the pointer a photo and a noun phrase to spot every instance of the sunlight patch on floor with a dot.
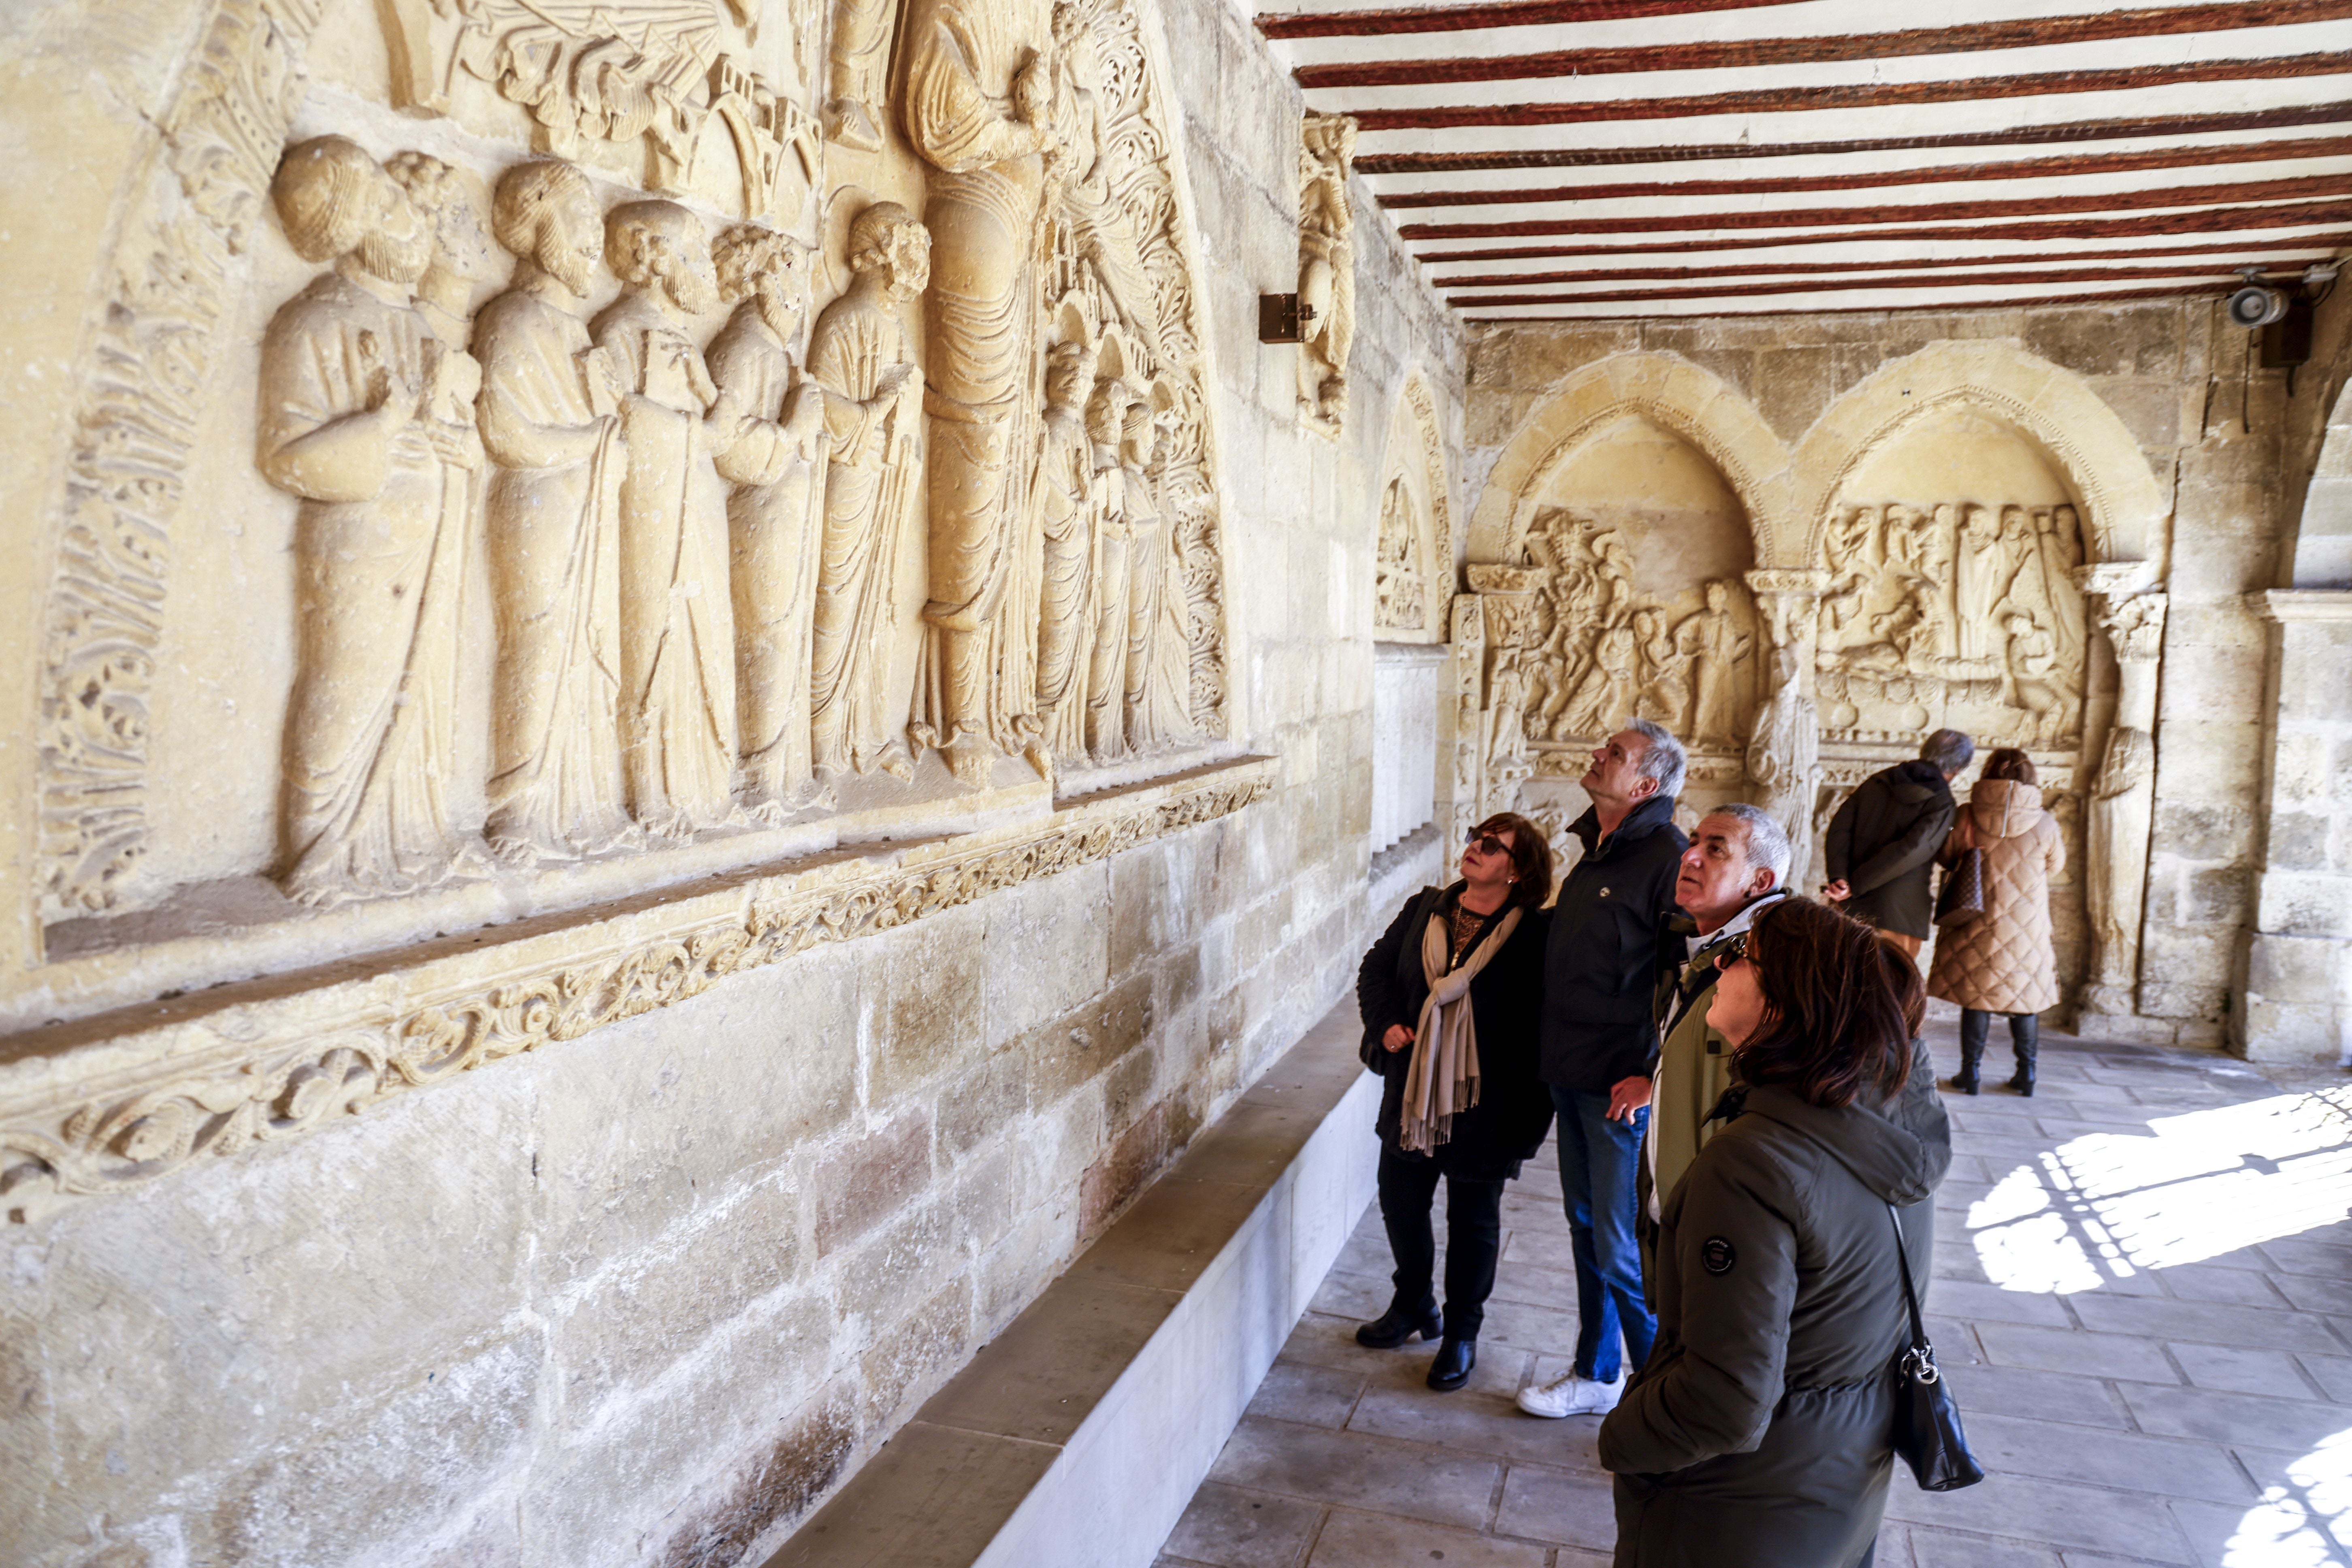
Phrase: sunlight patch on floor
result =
(2300, 1524)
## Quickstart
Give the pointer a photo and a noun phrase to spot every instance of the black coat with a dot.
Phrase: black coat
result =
(1600, 967)
(1883, 842)
(1759, 1433)
(1514, 1111)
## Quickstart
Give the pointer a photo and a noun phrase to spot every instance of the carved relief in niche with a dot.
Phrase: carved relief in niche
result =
(1413, 555)
(1400, 588)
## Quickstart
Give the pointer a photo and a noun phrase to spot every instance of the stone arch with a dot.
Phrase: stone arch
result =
(2323, 541)
(2048, 406)
(1414, 462)
(1693, 403)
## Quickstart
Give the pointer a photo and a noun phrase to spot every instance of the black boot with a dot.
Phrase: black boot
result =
(1973, 1028)
(2025, 1037)
(1451, 1368)
(1398, 1324)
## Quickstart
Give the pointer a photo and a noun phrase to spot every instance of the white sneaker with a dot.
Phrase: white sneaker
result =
(1571, 1396)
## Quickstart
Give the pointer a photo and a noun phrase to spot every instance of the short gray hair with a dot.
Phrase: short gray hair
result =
(1768, 841)
(1662, 756)
(1950, 750)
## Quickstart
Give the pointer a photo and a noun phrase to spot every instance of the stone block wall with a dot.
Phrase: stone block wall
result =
(646, 1296)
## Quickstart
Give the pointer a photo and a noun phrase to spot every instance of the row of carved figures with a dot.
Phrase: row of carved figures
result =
(692, 549)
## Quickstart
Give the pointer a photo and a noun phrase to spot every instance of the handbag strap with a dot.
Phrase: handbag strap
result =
(1910, 1296)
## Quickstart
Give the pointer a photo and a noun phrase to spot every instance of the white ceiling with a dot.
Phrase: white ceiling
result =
(1613, 158)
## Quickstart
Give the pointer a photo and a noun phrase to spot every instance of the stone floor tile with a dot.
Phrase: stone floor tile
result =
(2283, 1533)
(2303, 1254)
(1226, 1527)
(1526, 1326)
(2220, 1325)
(2247, 1418)
(2237, 1286)
(1540, 1183)
(1353, 1540)
(1313, 1465)
(2043, 1395)
(1954, 1339)
(1545, 1245)
(1561, 1506)
(1991, 1303)
(2237, 1371)
(2313, 1293)
(2050, 1451)
(1310, 1396)
(1536, 1284)
(1968, 1168)
(2050, 1513)
(1326, 1338)
(2074, 1351)
(1350, 1295)
(2333, 1373)
(1942, 1549)
(1481, 1421)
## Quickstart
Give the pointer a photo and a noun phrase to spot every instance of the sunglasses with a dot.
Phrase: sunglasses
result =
(1485, 843)
(1732, 951)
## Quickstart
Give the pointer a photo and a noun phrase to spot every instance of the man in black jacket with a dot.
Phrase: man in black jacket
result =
(1881, 852)
(1600, 1045)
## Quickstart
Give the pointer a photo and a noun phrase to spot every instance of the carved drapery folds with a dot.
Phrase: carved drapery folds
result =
(2123, 791)
(696, 531)
(1327, 268)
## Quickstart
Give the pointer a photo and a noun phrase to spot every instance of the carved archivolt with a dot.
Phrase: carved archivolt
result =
(269, 1071)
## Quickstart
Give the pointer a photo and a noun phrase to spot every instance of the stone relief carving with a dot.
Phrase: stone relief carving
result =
(1600, 652)
(1327, 268)
(272, 1083)
(2122, 796)
(1399, 592)
(1957, 613)
(1784, 757)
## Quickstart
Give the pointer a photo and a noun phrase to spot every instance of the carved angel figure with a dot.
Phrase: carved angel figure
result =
(677, 620)
(857, 355)
(359, 419)
(775, 517)
(549, 418)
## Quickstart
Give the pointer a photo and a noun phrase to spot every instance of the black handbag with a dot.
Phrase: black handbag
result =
(1961, 899)
(1927, 1418)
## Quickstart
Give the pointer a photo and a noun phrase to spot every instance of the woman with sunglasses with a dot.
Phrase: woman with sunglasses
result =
(1759, 1433)
(1450, 996)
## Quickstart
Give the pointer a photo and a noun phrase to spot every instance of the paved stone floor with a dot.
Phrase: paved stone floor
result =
(2143, 1294)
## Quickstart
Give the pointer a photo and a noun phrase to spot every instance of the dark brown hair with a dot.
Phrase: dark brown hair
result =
(2009, 763)
(1531, 856)
(1841, 1006)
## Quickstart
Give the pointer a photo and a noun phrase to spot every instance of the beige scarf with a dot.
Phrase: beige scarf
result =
(1443, 1078)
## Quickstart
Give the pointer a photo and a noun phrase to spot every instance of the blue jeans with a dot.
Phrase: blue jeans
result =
(1597, 1158)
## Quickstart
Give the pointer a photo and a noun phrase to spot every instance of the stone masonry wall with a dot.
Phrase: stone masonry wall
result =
(645, 1296)
(2216, 439)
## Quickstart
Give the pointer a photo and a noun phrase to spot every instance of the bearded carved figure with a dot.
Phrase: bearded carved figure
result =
(549, 418)
(1327, 268)
(363, 419)
(857, 355)
(978, 107)
(678, 622)
(1065, 497)
(775, 517)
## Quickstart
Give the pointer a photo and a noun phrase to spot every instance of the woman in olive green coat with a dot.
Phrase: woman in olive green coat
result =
(1759, 1433)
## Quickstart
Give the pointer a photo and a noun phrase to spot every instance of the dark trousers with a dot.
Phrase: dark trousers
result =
(2024, 1037)
(1474, 1238)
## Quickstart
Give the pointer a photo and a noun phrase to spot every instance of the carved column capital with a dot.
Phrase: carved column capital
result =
(1799, 581)
(2135, 625)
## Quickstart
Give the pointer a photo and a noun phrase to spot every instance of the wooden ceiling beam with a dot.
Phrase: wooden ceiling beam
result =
(2034, 278)
(2106, 297)
(1858, 95)
(1752, 54)
(1909, 263)
(1473, 19)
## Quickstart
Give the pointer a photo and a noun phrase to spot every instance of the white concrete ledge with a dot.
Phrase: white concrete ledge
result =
(1077, 1436)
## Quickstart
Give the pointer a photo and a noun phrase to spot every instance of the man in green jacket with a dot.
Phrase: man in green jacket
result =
(1733, 870)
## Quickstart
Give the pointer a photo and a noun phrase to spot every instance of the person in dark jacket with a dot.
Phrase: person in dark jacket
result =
(1470, 1116)
(1880, 853)
(1760, 1433)
(1601, 1045)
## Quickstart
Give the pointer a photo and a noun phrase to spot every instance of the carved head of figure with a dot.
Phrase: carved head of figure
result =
(461, 252)
(2013, 524)
(771, 268)
(887, 239)
(658, 248)
(337, 204)
(1070, 372)
(1983, 526)
(1106, 411)
(1718, 596)
(544, 213)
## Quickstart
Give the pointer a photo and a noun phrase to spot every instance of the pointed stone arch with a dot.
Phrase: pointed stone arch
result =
(2048, 406)
(1414, 463)
(1682, 398)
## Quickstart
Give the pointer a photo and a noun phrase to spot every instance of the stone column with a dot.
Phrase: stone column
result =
(1505, 596)
(2123, 789)
(2298, 975)
(1784, 745)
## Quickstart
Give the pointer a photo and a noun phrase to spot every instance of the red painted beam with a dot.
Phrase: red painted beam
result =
(1944, 307)
(2018, 169)
(2038, 277)
(1859, 95)
(1468, 18)
(2306, 188)
(2014, 136)
(2230, 260)
(1751, 54)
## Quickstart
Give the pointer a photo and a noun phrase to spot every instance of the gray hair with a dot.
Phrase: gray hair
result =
(1661, 757)
(1950, 750)
(1768, 841)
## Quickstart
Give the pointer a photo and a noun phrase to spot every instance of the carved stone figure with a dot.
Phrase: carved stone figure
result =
(549, 419)
(1980, 585)
(2122, 805)
(1666, 693)
(856, 97)
(775, 518)
(1399, 596)
(1066, 494)
(874, 473)
(1605, 696)
(1784, 759)
(977, 106)
(358, 419)
(1078, 179)
(678, 621)
(1106, 413)
(1327, 268)
(1714, 647)
(1152, 685)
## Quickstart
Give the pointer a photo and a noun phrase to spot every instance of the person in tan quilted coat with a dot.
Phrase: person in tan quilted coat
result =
(2003, 960)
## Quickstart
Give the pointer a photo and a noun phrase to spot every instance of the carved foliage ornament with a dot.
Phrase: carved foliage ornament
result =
(286, 1084)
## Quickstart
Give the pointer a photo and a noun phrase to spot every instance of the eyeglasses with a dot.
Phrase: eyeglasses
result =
(1733, 951)
(1485, 843)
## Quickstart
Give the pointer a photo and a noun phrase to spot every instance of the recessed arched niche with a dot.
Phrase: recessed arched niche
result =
(1641, 545)
(1949, 598)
